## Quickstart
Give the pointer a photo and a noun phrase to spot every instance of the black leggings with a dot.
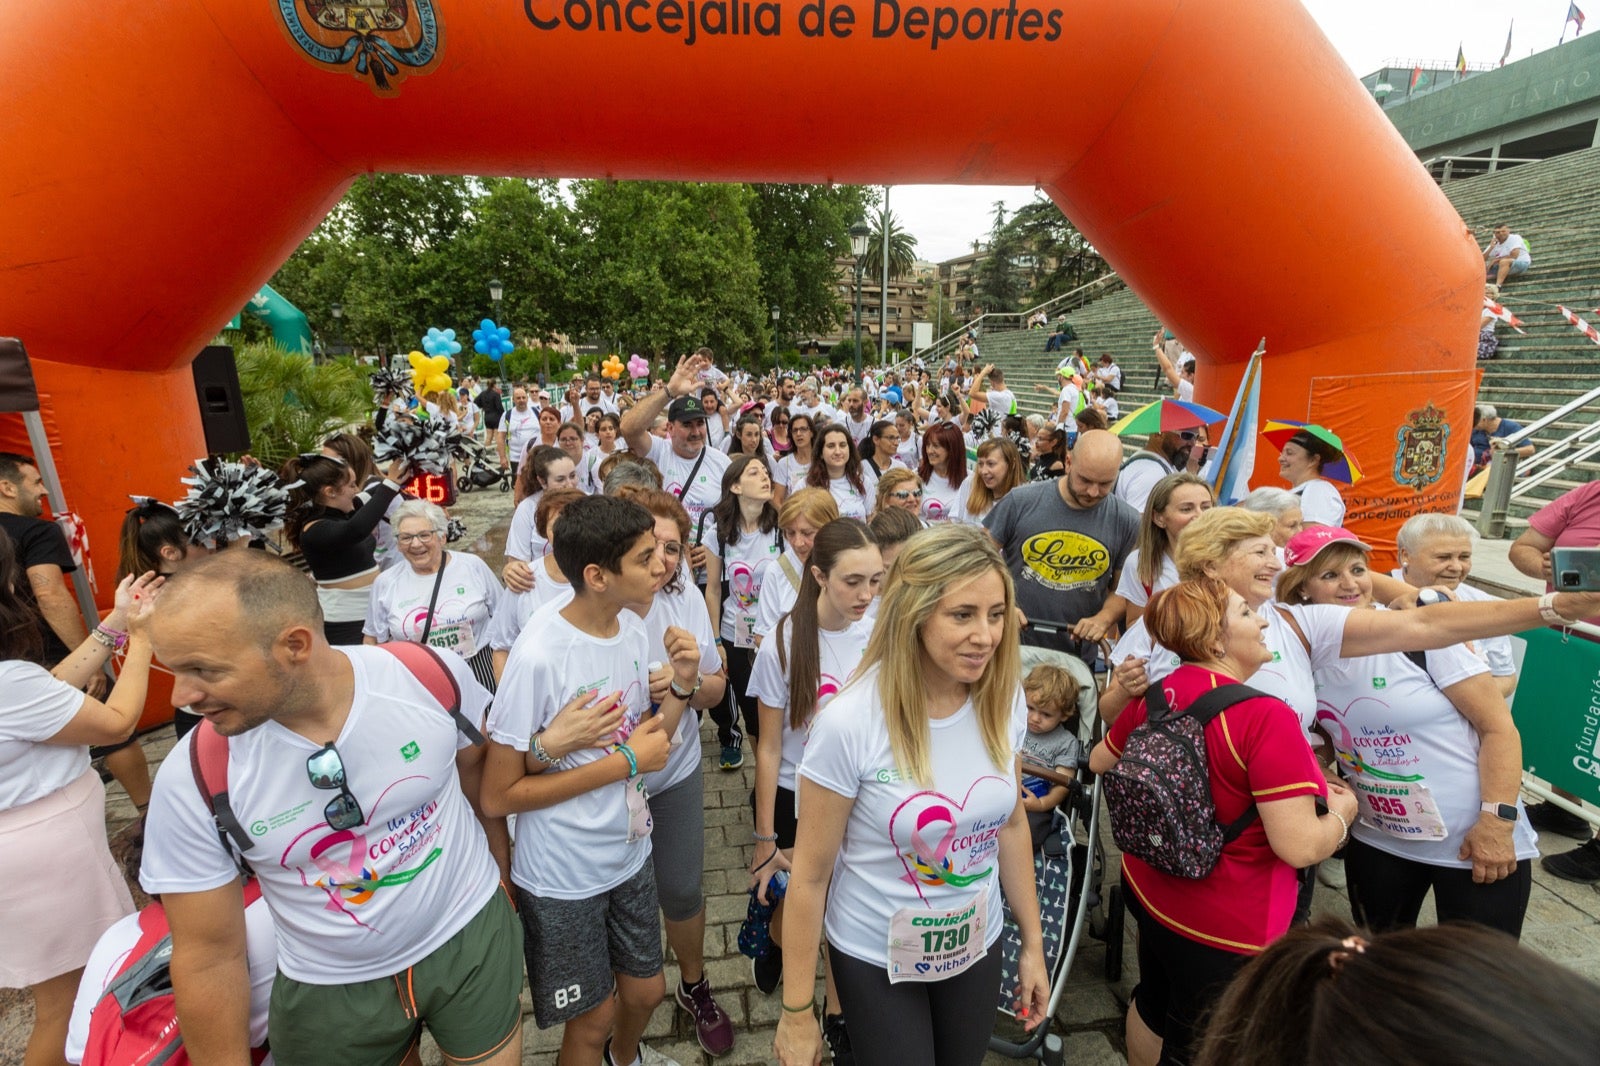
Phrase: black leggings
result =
(736, 703)
(1180, 980)
(937, 1023)
(1386, 892)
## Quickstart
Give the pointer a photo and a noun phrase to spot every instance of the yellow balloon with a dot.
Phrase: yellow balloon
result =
(438, 364)
(437, 383)
(419, 362)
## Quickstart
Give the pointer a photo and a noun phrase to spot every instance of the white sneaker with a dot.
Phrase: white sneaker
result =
(648, 1056)
(1331, 873)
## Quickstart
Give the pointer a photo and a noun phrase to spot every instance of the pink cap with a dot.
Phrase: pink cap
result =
(1307, 544)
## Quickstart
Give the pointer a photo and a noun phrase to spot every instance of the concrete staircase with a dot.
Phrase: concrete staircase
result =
(1554, 204)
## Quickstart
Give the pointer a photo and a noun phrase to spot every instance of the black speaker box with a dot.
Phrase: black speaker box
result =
(216, 386)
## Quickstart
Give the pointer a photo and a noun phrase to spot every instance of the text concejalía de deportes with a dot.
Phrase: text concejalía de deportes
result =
(695, 19)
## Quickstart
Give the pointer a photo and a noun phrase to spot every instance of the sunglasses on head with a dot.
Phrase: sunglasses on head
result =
(326, 771)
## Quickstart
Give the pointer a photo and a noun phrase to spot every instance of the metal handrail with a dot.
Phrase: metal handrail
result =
(936, 349)
(1503, 485)
(1477, 164)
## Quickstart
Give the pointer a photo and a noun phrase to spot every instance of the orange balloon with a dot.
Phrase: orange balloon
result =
(130, 239)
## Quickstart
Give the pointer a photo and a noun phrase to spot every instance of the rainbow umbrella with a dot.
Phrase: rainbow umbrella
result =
(1278, 431)
(1166, 415)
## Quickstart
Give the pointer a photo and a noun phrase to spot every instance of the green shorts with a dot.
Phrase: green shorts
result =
(467, 992)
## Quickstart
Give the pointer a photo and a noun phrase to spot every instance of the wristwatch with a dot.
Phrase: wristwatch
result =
(1504, 811)
(1547, 611)
(672, 686)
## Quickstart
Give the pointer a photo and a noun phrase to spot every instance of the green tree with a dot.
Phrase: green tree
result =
(902, 247)
(1060, 259)
(291, 404)
(666, 267)
(800, 233)
(997, 286)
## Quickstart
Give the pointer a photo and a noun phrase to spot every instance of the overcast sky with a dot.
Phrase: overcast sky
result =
(947, 218)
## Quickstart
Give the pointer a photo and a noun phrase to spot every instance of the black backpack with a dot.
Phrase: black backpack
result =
(1158, 794)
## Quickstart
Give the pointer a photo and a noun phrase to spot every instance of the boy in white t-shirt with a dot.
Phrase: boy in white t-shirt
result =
(572, 734)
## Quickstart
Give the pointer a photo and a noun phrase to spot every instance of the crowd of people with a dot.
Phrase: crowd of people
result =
(421, 765)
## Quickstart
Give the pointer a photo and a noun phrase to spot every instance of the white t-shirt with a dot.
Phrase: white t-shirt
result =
(707, 488)
(909, 453)
(552, 663)
(512, 615)
(818, 412)
(1139, 476)
(858, 430)
(1288, 676)
(1110, 374)
(854, 502)
(1067, 402)
(37, 707)
(1513, 247)
(685, 609)
(1186, 390)
(1001, 402)
(745, 565)
(716, 433)
(942, 501)
(522, 539)
(1390, 720)
(1320, 503)
(1130, 588)
(839, 653)
(521, 429)
(792, 473)
(111, 953)
(352, 905)
(778, 592)
(469, 596)
(901, 837)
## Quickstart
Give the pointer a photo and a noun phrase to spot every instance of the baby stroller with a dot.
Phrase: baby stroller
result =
(481, 473)
(1068, 870)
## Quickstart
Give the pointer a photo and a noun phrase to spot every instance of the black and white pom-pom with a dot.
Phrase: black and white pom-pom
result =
(455, 529)
(427, 447)
(1024, 447)
(231, 501)
(983, 423)
(389, 383)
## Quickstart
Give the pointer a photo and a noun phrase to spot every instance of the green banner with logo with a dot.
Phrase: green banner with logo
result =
(1557, 709)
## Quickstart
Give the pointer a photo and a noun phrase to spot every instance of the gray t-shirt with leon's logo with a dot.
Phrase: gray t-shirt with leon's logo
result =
(1065, 561)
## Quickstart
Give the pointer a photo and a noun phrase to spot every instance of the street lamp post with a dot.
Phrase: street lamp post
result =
(338, 331)
(859, 235)
(497, 290)
(777, 366)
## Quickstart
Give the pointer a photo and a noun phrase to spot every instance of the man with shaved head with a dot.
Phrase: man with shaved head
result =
(342, 772)
(1065, 542)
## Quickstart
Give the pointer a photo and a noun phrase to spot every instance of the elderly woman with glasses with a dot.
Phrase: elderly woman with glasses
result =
(440, 598)
(900, 488)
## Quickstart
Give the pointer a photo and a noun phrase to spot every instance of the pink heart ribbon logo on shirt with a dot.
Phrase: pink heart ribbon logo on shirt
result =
(742, 583)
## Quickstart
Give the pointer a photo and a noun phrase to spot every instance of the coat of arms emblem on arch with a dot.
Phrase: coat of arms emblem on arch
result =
(380, 41)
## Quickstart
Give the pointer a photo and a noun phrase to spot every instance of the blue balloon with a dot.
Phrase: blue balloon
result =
(491, 340)
(441, 342)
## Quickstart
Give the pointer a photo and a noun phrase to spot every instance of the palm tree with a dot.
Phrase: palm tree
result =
(902, 245)
(291, 404)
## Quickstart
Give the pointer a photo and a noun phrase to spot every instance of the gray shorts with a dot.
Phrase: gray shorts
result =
(566, 974)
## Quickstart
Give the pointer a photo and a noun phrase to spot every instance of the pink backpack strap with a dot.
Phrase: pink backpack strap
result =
(426, 666)
(208, 761)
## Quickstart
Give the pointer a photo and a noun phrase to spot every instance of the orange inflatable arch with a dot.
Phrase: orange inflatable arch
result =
(160, 161)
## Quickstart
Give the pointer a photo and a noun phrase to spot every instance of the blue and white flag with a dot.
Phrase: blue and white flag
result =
(1234, 455)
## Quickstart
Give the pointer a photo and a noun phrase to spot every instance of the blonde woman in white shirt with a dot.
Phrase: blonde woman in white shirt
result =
(910, 789)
